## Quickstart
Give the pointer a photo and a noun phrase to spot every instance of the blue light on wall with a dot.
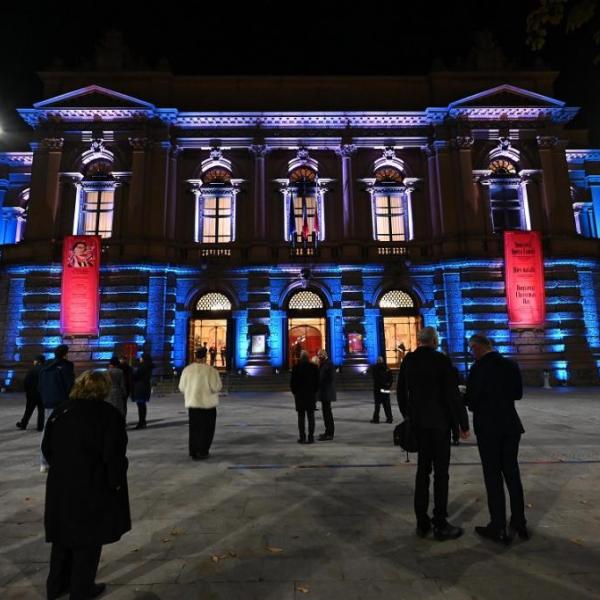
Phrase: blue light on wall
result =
(276, 337)
(455, 319)
(589, 286)
(372, 320)
(241, 323)
(336, 335)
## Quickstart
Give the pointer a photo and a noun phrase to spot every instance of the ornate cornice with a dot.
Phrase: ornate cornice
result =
(346, 150)
(140, 143)
(546, 142)
(52, 144)
(16, 159)
(463, 142)
(581, 156)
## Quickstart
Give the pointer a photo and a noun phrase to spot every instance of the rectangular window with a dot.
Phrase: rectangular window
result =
(97, 211)
(506, 206)
(390, 218)
(305, 209)
(217, 220)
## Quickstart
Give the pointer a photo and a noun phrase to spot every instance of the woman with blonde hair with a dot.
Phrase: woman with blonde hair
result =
(87, 502)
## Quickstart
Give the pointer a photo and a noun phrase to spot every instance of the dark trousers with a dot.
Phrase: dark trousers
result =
(434, 451)
(34, 401)
(328, 418)
(382, 400)
(309, 415)
(141, 406)
(499, 459)
(202, 429)
(72, 569)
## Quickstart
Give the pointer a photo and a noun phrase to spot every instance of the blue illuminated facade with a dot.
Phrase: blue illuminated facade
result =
(441, 260)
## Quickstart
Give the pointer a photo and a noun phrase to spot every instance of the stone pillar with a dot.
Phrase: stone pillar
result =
(135, 221)
(172, 191)
(260, 190)
(43, 200)
(470, 224)
(434, 194)
(556, 187)
(335, 333)
(155, 320)
(348, 229)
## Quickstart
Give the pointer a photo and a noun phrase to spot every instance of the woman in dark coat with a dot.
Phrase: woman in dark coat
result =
(304, 385)
(142, 387)
(87, 503)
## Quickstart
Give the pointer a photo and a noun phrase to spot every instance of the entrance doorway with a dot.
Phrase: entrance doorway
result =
(213, 334)
(400, 334)
(305, 334)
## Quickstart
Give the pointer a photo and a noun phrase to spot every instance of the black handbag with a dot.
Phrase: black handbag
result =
(404, 436)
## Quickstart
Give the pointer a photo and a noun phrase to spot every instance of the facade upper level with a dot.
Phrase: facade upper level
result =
(262, 170)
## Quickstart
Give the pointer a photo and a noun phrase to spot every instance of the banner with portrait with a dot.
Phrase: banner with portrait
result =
(80, 291)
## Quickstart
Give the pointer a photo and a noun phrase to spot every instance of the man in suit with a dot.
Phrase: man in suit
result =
(428, 395)
(493, 385)
(327, 394)
(304, 384)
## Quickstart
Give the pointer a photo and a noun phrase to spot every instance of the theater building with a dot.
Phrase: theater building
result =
(267, 215)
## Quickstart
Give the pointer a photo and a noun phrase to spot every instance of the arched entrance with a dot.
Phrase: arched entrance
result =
(306, 325)
(209, 328)
(401, 321)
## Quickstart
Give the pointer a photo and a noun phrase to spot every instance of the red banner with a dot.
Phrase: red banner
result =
(524, 271)
(79, 301)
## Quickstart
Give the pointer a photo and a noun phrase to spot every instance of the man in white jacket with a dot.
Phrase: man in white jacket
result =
(201, 384)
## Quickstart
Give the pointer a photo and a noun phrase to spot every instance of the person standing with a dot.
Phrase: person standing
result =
(304, 385)
(32, 395)
(224, 357)
(55, 381)
(200, 384)
(327, 394)
(493, 385)
(117, 395)
(428, 395)
(127, 377)
(383, 379)
(212, 351)
(142, 387)
(87, 502)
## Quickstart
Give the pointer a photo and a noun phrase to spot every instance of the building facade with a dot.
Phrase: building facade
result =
(263, 216)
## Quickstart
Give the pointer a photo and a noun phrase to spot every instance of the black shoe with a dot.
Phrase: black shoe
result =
(374, 421)
(200, 456)
(325, 437)
(447, 532)
(302, 440)
(423, 529)
(521, 531)
(96, 590)
(311, 440)
(21, 426)
(496, 535)
(389, 420)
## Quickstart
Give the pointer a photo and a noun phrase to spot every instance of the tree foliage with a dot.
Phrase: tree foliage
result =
(572, 15)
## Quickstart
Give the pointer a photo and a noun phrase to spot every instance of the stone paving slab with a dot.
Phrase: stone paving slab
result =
(268, 519)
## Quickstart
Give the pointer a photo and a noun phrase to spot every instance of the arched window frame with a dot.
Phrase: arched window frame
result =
(95, 195)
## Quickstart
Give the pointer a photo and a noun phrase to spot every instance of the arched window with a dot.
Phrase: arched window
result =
(391, 214)
(305, 300)
(213, 301)
(304, 211)
(215, 207)
(95, 200)
(508, 202)
(396, 299)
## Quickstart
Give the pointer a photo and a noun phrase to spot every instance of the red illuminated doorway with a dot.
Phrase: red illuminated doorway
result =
(305, 334)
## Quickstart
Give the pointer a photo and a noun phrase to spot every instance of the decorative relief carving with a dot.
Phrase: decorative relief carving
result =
(546, 142)
(139, 143)
(259, 150)
(55, 143)
(463, 142)
(346, 150)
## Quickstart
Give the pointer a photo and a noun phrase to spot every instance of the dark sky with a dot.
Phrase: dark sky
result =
(277, 37)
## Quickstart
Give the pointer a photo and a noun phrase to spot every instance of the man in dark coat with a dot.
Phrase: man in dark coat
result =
(428, 395)
(87, 503)
(32, 395)
(142, 387)
(382, 385)
(304, 385)
(55, 381)
(493, 385)
(128, 377)
(327, 394)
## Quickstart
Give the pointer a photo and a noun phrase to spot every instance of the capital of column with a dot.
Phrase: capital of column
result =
(547, 142)
(259, 150)
(175, 151)
(52, 144)
(139, 143)
(346, 150)
(463, 142)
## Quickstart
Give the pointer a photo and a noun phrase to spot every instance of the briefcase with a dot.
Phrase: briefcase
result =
(404, 436)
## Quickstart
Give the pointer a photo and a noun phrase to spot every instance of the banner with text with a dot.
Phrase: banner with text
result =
(524, 271)
(79, 300)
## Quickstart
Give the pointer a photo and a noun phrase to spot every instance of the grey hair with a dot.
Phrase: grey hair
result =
(481, 339)
(428, 336)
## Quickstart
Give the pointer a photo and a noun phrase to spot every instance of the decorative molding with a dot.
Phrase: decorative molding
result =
(16, 159)
(581, 156)
(52, 144)
(346, 150)
(139, 144)
(547, 142)
(259, 150)
(463, 142)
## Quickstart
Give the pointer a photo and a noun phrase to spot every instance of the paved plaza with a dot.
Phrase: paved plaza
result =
(268, 519)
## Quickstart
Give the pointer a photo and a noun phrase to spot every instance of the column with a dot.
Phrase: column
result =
(556, 186)
(372, 323)
(240, 357)
(345, 152)
(455, 325)
(435, 207)
(594, 183)
(135, 224)
(43, 200)
(172, 188)
(470, 210)
(155, 321)
(335, 334)
(260, 190)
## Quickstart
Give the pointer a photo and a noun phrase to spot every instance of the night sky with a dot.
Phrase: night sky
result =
(274, 37)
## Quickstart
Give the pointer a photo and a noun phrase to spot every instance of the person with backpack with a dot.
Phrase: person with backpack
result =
(32, 394)
(383, 379)
(56, 378)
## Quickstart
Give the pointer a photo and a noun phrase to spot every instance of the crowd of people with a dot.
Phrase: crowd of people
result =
(84, 439)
